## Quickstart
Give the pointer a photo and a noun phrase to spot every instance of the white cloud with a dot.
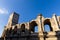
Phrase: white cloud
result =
(3, 11)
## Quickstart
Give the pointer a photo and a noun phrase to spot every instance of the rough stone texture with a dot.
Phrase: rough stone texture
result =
(25, 31)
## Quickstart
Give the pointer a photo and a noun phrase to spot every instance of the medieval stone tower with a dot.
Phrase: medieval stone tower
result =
(26, 31)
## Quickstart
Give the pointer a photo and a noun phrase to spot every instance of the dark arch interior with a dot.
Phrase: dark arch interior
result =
(23, 27)
(33, 27)
(47, 25)
(15, 26)
(15, 30)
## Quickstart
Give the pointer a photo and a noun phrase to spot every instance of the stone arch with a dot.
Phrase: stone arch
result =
(32, 26)
(15, 29)
(10, 28)
(47, 22)
(23, 27)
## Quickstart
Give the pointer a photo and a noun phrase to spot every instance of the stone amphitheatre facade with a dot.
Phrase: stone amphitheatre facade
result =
(25, 31)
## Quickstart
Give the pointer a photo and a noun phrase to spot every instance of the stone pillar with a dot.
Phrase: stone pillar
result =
(43, 23)
(27, 26)
(39, 22)
(54, 23)
(40, 28)
(58, 18)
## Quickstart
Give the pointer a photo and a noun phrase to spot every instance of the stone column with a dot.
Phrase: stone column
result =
(40, 28)
(54, 23)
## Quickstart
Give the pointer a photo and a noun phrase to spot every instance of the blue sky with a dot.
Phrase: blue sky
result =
(28, 9)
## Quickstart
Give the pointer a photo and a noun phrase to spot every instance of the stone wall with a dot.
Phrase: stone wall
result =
(26, 31)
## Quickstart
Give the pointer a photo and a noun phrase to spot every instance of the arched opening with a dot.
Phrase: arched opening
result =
(46, 28)
(10, 30)
(47, 25)
(33, 26)
(36, 29)
(23, 27)
(15, 30)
